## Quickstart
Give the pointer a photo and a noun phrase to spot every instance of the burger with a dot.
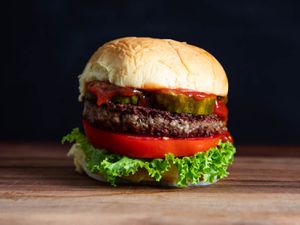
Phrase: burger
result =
(154, 112)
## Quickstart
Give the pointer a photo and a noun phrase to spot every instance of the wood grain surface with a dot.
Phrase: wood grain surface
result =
(38, 185)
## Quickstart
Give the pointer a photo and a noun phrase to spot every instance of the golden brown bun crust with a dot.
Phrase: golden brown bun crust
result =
(150, 63)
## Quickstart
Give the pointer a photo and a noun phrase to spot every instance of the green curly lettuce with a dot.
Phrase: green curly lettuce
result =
(207, 166)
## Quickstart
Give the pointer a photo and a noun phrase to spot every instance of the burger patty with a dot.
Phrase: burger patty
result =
(148, 121)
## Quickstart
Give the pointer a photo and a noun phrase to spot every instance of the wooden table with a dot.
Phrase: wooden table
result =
(38, 185)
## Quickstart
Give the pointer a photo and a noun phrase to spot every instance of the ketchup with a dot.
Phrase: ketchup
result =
(221, 109)
(105, 91)
(194, 94)
(226, 137)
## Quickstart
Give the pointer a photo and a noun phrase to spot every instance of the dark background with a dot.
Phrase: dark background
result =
(47, 43)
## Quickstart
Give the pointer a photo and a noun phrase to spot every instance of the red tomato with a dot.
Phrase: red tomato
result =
(147, 147)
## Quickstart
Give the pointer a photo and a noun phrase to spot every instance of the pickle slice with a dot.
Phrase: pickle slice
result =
(171, 102)
(180, 103)
(133, 100)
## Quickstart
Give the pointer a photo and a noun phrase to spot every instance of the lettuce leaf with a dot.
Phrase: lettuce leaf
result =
(206, 166)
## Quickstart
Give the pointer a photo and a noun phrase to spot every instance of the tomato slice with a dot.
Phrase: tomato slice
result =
(145, 146)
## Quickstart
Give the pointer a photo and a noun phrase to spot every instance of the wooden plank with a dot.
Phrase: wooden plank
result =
(41, 187)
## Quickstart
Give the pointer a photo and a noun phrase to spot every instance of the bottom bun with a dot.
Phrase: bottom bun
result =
(169, 178)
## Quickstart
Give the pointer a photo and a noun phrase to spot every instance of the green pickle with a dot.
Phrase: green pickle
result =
(133, 100)
(180, 103)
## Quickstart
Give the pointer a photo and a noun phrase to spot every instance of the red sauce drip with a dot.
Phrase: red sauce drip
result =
(194, 94)
(226, 137)
(221, 109)
(106, 91)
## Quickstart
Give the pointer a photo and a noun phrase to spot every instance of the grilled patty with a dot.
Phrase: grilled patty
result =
(151, 122)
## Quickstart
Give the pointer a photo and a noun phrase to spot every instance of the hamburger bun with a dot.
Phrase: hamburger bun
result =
(149, 63)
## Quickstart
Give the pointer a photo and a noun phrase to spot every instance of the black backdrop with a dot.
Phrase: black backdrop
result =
(47, 43)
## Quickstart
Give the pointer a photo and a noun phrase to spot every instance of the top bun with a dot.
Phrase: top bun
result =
(149, 63)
